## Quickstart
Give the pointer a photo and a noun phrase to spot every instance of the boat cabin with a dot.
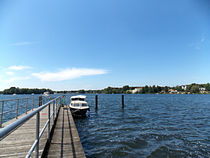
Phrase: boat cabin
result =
(78, 105)
(78, 98)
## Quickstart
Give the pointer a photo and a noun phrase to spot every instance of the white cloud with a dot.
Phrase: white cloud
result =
(18, 67)
(10, 73)
(22, 43)
(67, 74)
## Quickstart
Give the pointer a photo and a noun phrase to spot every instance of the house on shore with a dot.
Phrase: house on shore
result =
(202, 90)
(137, 89)
(184, 87)
(172, 91)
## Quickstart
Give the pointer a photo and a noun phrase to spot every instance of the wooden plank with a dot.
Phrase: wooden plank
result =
(65, 141)
(19, 142)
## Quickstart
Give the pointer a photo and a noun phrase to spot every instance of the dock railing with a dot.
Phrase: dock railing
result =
(19, 106)
(13, 126)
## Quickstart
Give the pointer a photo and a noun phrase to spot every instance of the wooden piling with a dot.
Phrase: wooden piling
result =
(96, 102)
(122, 101)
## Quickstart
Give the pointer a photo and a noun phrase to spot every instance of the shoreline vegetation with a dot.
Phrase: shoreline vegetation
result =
(183, 89)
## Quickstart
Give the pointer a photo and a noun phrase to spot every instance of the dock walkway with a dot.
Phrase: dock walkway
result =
(19, 142)
(65, 140)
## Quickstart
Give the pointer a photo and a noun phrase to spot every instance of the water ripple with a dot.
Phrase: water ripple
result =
(153, 126)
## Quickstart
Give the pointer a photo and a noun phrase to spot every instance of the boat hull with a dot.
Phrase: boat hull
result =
(76, 111)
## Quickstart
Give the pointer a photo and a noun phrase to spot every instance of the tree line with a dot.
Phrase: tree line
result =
(191, 88)
(14, 90)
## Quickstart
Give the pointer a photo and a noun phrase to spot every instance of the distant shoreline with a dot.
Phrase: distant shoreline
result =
(183, 89)
(113, 93)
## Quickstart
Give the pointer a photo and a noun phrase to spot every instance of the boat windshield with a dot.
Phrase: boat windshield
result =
(76, 105)
(81, 99)
(84, 104)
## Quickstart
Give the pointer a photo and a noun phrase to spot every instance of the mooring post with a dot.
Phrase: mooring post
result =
(40, 100)
(96, 101)
(122, 101)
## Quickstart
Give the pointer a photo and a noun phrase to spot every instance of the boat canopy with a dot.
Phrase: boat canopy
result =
(78, 97)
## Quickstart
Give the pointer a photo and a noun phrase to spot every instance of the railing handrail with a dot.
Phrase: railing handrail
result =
(22, 98)
(15, 99)
(18, 102)
(11, 127)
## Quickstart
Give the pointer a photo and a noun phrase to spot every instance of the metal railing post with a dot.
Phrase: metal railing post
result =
(38, 102)
(58, 104)
(37, 134)
(2, 110)
(33, 103)
(53, 110)
(56, 107)
(49, 121)
(18, 101)
(26, 105)
(42, 101)
(7, 129)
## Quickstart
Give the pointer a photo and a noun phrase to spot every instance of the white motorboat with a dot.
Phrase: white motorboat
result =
(78, 105)
(46, 94)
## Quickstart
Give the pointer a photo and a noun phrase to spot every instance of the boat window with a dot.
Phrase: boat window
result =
(81, 99)
(76, 104)
(84, 104)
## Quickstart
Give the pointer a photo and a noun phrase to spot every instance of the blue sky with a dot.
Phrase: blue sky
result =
(66, 44)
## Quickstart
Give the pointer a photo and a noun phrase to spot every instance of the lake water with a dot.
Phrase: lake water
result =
(164, 126)
(161, 126)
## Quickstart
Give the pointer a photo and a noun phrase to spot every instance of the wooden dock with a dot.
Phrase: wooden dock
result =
(65, 140)
(19, 142)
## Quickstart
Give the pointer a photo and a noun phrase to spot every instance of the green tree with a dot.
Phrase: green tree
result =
(166, 88)
(194, 89)
(82, 91)
(207, 86)
(125, 88)
(150, 90)
(146, 88)
(142, 90)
